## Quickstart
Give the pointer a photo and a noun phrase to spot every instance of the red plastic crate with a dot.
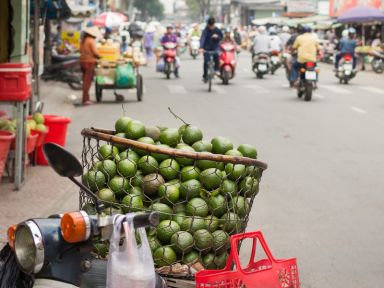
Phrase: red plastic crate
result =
(264, 273)
(15, 81)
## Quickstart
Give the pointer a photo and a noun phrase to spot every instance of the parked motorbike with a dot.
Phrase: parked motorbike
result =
(308, 75)
(64, 69)
(345, 71)
(227, 62)
(275, 61)
(377, 62)
(194, 45)
(261, 64)
(56, 251)
(169, 55)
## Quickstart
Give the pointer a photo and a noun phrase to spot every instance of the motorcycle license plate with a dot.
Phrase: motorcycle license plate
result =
(262, 67)
(347, 67)
(310, 75)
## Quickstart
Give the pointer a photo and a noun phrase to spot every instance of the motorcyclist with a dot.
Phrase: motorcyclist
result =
(347, 47)
(170, 37)
(307, 48)
(227, 36)
(237, 36)
(261, 42)
(284, 36)
(209, 41)
(275, 42)
(195, 31)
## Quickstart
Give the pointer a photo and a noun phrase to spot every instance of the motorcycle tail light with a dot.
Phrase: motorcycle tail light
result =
(310, 64)
(11, 236)
(347, 57)
(75, 227)
(275, 53)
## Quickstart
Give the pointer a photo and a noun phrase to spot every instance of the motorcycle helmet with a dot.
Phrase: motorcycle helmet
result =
(285, 29)
(262, 30)
(344, 33)
(272, 30)
(351, 30)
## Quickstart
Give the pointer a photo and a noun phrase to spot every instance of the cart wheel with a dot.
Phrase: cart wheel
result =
(99, 93)
(139, 87)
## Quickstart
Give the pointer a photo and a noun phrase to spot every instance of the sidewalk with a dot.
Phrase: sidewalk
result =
(44, 192)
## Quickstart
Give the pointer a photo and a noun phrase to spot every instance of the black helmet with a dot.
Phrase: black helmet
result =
(211, 21)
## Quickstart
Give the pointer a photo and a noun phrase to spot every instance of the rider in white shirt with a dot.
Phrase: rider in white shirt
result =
(275, 41)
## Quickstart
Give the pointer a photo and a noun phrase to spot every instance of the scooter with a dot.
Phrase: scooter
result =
(56, 251)
(377, 62)
(169, 54)
(227, 62)
(261, 64)
(345, 71)
(194, 45)
(308, 75)
(275, 61)
(64, 69)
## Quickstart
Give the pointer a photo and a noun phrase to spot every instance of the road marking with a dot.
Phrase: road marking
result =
(335, 89)
(373, 90)
(218, 89)
(259, 88)
(176, 89)
(358, 110)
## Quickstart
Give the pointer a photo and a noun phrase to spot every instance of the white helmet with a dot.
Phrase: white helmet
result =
(344, 33)
(262, 30)
(285, 28)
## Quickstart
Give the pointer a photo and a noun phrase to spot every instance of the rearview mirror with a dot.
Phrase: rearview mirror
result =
(63, 162)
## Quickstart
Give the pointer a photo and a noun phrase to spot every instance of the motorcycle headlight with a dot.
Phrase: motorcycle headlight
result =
(29, 247)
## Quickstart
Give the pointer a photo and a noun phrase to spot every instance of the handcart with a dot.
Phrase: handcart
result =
(118, 75)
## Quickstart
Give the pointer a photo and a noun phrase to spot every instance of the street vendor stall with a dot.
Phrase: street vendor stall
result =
(363, 16)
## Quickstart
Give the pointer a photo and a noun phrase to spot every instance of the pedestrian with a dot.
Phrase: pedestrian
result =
(88, 58)
(149, 42)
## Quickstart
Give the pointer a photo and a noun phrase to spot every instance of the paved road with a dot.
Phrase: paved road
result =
(321, 198)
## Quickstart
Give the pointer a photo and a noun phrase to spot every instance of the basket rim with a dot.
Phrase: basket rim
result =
(108, 136)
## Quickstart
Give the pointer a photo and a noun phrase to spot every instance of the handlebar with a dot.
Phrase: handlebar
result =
(105, 223)
(146, 219)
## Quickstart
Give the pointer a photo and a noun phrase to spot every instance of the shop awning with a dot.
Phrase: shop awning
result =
(62, 9)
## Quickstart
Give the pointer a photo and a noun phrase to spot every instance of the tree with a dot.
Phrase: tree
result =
(199, 7)
(150, 8)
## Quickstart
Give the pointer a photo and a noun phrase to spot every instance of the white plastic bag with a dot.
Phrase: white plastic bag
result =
(129, 265)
